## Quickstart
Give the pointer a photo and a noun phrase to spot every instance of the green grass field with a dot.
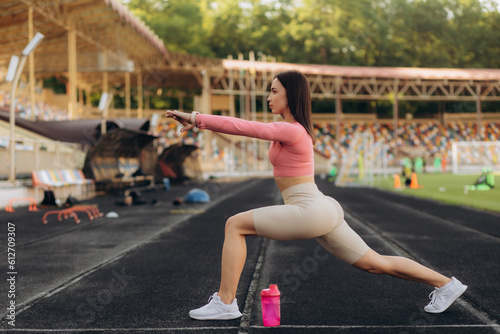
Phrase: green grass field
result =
(447, 188)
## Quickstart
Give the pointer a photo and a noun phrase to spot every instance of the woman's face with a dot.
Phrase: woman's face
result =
(278, 102)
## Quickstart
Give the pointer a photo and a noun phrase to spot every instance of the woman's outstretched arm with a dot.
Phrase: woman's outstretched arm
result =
(276, 131)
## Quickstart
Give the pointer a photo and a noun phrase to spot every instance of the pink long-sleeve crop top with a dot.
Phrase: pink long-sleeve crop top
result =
(291, 152)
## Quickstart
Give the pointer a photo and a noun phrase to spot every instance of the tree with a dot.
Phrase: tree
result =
(243, 26)
(475, 34)
(415, 33)
(179, 23)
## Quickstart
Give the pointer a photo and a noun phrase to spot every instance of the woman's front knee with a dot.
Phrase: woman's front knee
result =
(241, 223)
(231, 225)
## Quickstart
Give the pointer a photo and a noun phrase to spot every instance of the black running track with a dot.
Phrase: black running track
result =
(143, 271)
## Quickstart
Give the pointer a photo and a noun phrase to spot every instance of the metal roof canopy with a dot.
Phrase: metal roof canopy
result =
(101, 26)
(110, 39)
(86, 132)
(373, 83)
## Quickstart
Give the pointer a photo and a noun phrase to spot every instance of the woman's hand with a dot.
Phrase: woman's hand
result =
(181, 117)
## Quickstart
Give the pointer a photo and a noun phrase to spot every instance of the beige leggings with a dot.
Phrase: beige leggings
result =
(307, 213)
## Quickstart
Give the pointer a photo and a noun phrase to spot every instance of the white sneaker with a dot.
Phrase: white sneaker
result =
(216, 310)
(442, 298)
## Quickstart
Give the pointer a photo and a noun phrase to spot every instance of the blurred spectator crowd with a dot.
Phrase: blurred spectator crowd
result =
(431, 137)
(43, 111)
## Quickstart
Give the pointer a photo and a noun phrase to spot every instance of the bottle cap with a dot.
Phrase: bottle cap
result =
(271, 292)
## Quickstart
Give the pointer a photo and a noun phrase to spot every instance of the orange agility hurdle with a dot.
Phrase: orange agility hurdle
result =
(60, 213)
(91, 211)
(9, 207)
(66, 213)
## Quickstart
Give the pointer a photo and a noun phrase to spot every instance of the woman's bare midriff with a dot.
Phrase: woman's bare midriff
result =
(286, 182)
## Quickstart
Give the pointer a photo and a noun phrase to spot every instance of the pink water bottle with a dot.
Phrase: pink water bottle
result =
(271, 306)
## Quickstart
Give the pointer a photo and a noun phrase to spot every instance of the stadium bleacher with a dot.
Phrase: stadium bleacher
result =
(433, 136)
(43, 111)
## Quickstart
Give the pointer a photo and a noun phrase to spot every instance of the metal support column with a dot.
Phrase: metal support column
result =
(232, 113)
(479, 126)
(105, 88)
(207, 109)
(241, 84)
(230, 74)
(265, 144)
(72, 72)
(264, 91)
(31, 64)
(253, 109)
(127, 94)
(338, 116)
(140, 94)
(395, 111)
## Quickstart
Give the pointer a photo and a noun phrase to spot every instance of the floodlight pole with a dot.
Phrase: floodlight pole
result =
(104, 103)
(12, 117)
(19, 69)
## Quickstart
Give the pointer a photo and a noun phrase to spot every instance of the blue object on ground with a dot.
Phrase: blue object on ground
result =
(197, 196)
(166, 183)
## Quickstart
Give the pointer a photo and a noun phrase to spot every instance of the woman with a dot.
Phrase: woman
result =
(307, 213)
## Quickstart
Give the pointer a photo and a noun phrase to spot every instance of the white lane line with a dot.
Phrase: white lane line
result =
(427, 215)
(495, 326)
(45, 294)
(173, 329)
(252, 290)
(481, 316)
(247, 311)
(108, 330)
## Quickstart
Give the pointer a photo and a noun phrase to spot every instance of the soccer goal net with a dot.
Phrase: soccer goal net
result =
(472, 157)
(364, 159)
